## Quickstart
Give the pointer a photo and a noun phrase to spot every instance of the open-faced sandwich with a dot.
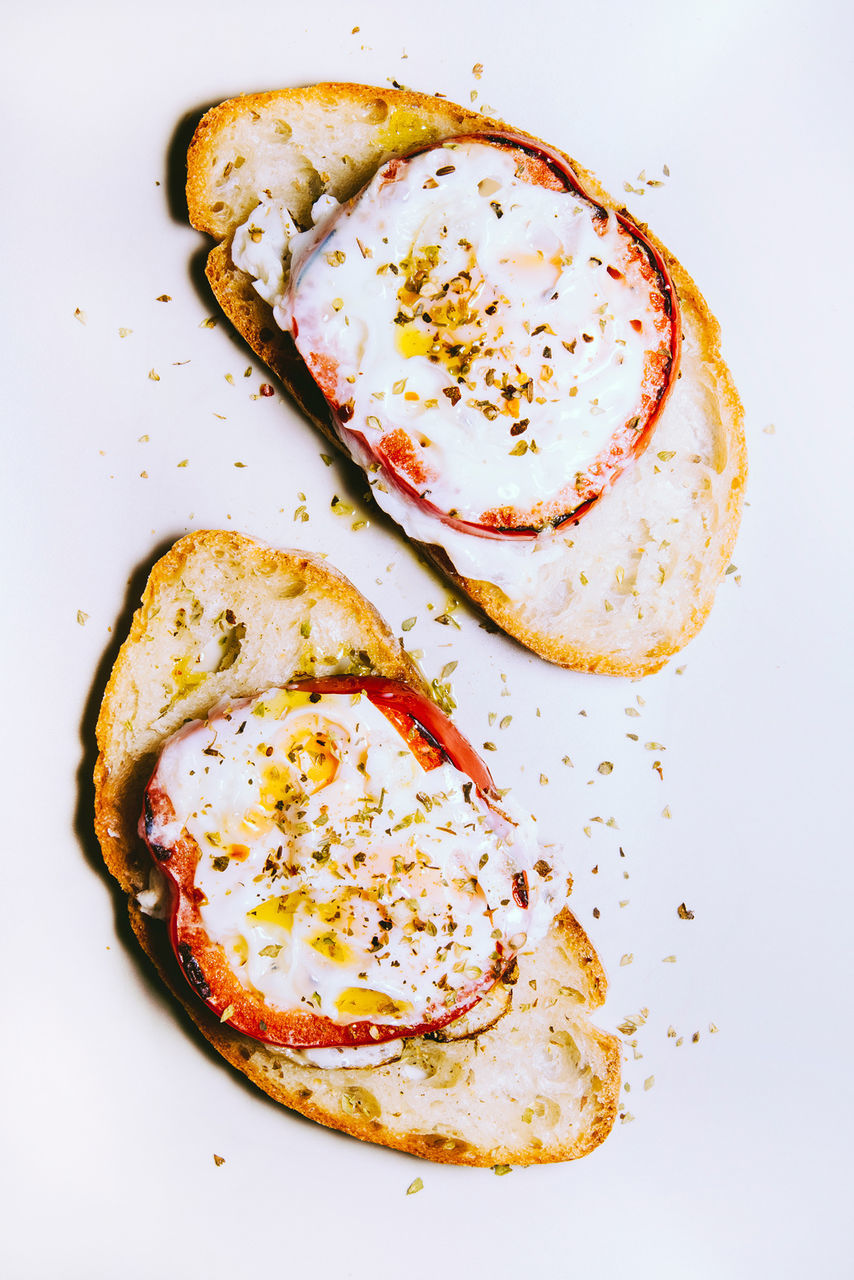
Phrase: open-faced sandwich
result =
(530, 380)
(322, 871)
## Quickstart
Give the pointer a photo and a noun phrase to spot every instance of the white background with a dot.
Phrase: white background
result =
(734, 1160)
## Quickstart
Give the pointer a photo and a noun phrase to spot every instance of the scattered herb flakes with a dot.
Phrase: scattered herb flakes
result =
(218, 1160)
(240, 464)
(143, 475)
(164, 297)
(683, 912)
(82, 618)
(477, 70)
(154, 375)
(665, 812)
(770, 430)
(143, 439)
(632, 711)
(185, 462)
(626, 1117)
(208, 323)
(605, 767)
(226, 1013)
(125, 333)
(325, 458)
(713, 1027)
(648, 1083)
(417, 1183)
(448, 669)
(627, 958)
(668, 960)
(501, 1169)
(408, 624)
(544, 782)
(489, 746)
(566, 760)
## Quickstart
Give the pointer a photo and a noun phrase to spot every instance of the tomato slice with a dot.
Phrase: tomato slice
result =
(433, 740)
(402, 457)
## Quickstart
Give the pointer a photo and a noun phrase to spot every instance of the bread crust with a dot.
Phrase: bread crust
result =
(599, 622)
(212, 586)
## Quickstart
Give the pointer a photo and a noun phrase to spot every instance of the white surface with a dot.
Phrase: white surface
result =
(737, 1161)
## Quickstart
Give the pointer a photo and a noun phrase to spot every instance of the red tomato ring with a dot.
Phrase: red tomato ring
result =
(631, 441)
(432, 738)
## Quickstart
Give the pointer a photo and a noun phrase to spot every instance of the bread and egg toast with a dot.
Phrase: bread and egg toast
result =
(535, 389)
(232, 637)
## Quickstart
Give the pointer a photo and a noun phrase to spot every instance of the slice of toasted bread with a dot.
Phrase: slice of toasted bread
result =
(635, 579)
(225, 617)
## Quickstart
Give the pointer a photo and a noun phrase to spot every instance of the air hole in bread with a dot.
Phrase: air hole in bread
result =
(283, 130)
(545, 1110)
(218, 207)
(306, 186)
(375, 111)
(565, 1041)
(232, 643)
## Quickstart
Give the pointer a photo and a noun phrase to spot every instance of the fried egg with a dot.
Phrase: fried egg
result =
(333, 872)
(493, 344)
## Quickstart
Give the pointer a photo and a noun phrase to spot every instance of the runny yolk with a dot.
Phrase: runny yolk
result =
(412, 341)
(313, 755)
(361, 1003)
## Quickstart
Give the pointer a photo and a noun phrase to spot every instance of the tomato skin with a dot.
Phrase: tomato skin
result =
(433, 739)
(396, 699)
(540, 165)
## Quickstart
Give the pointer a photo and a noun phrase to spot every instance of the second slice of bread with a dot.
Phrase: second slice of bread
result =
(636, 577)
